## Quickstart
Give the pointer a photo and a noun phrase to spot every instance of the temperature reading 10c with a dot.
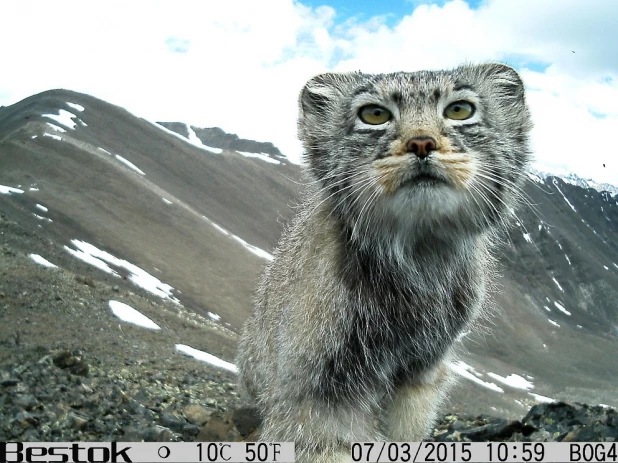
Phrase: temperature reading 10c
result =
(213, 451)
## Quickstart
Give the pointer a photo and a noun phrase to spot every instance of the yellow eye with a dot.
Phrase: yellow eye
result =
(374, 114)
(459, 111)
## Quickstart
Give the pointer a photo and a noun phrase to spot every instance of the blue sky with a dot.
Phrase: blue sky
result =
(390, 10)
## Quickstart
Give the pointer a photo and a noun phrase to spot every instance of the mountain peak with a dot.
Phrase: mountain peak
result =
(218, 138)
(584, 183)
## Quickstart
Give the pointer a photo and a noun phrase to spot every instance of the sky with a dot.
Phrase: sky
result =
(240, 64)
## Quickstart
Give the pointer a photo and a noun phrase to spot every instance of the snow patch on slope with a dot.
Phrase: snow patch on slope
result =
(79, 107)
(206, 357)
(262, 156)
(130, 164)
(7, 190)
(100, 259)
(64, 118)
(565, 198)
(42, 261)
(253, 249)
(195, 140)
(128, 314)
(513, 380)
(187, 140)
(561, 308)
(40, 217)
(468, 372)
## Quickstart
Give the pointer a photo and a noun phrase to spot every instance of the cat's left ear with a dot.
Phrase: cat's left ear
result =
(507, 90)
(505, 79)
(317, 93)
(322, 91)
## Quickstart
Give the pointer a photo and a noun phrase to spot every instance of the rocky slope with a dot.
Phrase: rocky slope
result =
(66, 397)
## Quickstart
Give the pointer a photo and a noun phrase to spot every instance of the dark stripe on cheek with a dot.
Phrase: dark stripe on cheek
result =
(463, 128)
(373, 132)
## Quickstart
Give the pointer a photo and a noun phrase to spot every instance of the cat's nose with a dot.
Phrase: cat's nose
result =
(421, 146)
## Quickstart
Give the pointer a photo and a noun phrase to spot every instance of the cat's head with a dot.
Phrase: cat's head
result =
(422, 149)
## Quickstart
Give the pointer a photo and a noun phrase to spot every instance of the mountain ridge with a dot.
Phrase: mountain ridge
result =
(584, 183)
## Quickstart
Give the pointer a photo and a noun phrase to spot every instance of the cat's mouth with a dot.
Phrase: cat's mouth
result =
(415, 178)
(424, 180)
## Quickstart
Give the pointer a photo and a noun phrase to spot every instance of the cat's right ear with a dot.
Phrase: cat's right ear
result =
(318, 94)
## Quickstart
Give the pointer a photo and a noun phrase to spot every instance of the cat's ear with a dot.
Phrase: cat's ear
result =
(322, 90)
(317, 93)
(508, 92)
(505, 79)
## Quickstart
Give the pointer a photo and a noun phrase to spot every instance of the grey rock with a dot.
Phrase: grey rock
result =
(196, 414)
(26, 401)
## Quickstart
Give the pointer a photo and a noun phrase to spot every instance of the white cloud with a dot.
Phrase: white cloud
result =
(577, 38)
(240, 64)
(431, 37)
(574, 119)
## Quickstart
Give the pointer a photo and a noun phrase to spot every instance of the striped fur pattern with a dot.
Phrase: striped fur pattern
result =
(388, 259)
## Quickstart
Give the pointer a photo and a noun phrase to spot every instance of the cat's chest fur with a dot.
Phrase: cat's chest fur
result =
(399, 319)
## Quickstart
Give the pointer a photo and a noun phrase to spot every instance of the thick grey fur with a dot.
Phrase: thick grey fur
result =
(381, 270)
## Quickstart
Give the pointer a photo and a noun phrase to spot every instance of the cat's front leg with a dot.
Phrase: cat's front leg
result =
(323, 432)
(411, 412)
